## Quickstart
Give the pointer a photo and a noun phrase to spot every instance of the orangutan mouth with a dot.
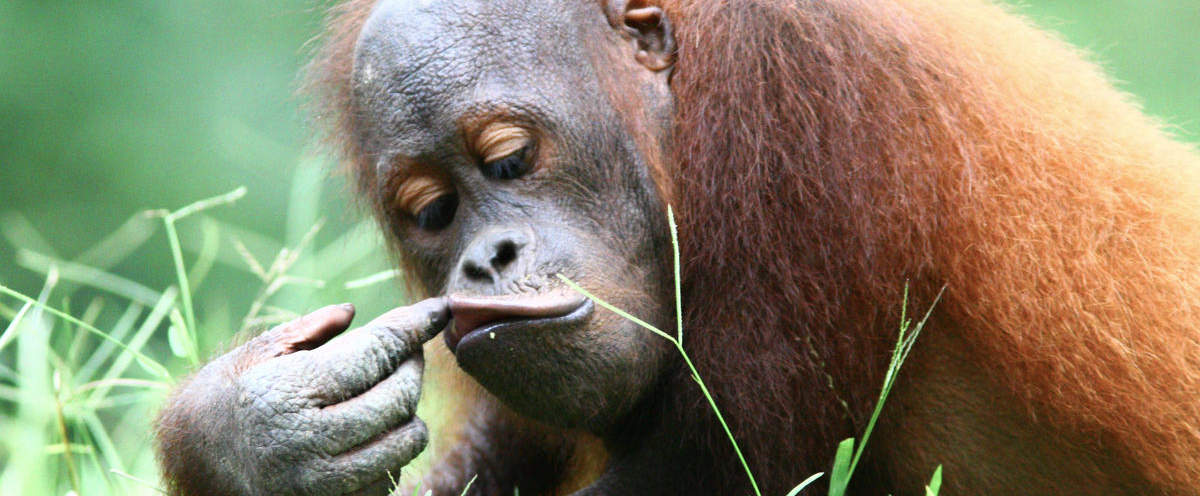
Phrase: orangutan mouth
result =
(475, 314)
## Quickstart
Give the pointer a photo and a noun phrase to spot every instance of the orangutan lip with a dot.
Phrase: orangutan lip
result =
(472, 313)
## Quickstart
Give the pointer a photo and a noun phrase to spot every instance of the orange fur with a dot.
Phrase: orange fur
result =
(827, 151)
(946, 143)
(1092, 253)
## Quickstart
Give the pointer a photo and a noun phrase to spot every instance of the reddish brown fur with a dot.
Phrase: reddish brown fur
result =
(878, 142)
(943, 143)
(329, 81)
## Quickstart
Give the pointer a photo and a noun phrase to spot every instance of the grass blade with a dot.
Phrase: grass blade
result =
(134, 383)
(34, 408)
(468, 486)
(133, 349)
(904, 344)
(615, 310)
(17, 229)
(105, 350)
(206, 257)
(208, 203)
(180, 340)
(61, 422)
(142, 482)
(90, 314)
(121, 243)
(678, 346)
(180, 272)
(373, 279)
(101, 439)
(678, 293)
(88, 276)
(185, 289)
(10, 332)
(156, 367)
(811, 479)
(935, 483)
(839, 477)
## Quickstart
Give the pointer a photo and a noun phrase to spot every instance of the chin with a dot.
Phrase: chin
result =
(553, 357)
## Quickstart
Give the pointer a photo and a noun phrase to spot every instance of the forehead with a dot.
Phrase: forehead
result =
(422, 65)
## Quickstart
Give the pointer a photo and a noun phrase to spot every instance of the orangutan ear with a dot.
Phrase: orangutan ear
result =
(649, 28)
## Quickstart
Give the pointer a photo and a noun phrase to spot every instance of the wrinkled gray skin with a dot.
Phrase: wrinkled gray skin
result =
(588, 212)
(289, 413)
(336, 418)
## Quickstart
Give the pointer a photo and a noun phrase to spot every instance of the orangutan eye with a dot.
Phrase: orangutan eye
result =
(438, 213)
(511, 166)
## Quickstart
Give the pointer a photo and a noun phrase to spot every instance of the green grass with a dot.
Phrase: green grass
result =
(177, 99)
(86, 360)
(79, 384)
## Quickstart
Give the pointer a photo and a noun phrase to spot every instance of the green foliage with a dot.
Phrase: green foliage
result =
(72, 393)
(843, 463)
(935, 483)
(109, 107)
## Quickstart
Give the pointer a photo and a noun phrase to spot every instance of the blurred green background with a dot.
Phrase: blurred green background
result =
(111, 108)
(107, 108)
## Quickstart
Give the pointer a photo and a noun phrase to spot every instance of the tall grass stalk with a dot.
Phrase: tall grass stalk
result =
(61, 420)
(677, 341)
(185, 289)
(844, 462)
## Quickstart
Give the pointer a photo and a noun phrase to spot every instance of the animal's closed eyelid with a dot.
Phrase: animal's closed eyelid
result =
(417, 192)
(501, 139)
(511, 166)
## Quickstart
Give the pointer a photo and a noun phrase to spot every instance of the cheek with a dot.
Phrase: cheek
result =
(426, 267)
(628, 220)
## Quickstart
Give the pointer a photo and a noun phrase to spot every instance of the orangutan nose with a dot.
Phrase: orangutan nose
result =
(495, 255)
